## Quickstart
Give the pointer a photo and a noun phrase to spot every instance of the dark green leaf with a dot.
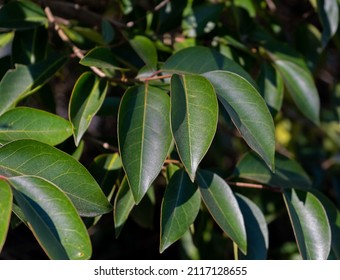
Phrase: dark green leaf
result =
(143, 214)
(100, 57)
(24, 80)
(288, 173)
(328, 11)
(180, 206)
(301, 86)
(190, 60)
(123, 205)
(310, 224)
(144, 135)
(52, 218)
(6, 198)
(23, 122)
(30, 157)
(256, 229)
(146, 50)
(87, 97)
(223, 206)
(21, 15)
(271, 87)
(108, 32)
(248, 112)
(194, 113)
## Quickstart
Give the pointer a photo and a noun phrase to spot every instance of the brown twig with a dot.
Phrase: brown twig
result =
(253, 186)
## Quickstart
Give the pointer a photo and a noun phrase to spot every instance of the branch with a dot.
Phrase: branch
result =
(253, 186)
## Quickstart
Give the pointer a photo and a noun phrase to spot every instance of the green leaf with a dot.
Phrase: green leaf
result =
(30, 157)
(6, 198)
(190, 60)
(288, 173)
(100, 57)
(301, 86)
(144, 135)
(328, 11)
(123, 206)
(23, 122)
(21, 15)
(145, 49)
(310, 224)
(87, 97)
(256, 229)
(223, 207)
(108, 32)
(180, 206)
(248, 112)
(143, 214)
(194, 114)
(52, 218)
(271, 87)
(24, 80)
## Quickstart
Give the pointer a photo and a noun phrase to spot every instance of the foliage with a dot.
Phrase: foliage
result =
(213, 124)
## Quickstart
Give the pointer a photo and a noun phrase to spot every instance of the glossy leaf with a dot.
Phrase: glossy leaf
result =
(30, 157)
(24, 80)
(5, 210)
(23, 122)
(180, 206)
(100, 57)
(301, 86)
(328, 11)
(87, 97)
(271, 88)
(310, 224)
(123, 205)
(144, 135)
(256, 229)
(52, 218)
(143, 214)
(189, 60)
(21, 15)
(288, 173)
(194, 113)
(248, 112)
(223, 206)
(145, 49)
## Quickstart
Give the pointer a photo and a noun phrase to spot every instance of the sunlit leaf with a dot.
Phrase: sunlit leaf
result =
(194, 113)
(5, 210)
(248, 112)
(100, 57)
(310, 224)
(24, 122)
(146, 50)
(223, 207)
(33, 158)
(87, 97)
(180, 206)
(328, 11)
(52, 218)
(144, 135)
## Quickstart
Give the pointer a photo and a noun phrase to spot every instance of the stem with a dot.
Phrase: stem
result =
(235, 251)
(253, 186)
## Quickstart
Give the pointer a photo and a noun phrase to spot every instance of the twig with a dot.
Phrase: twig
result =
(253, 186)
(65, 39)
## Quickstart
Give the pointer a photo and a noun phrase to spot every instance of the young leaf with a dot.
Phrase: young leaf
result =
(21, 15)
(5, 210)
(146, 50)
(194, 113)
(30, 157)
(52, 218)
(271, 88)
(24, 80)
(310, 224)
(144, 135)
(189, 60)
(248, 112)
(123, 205)
(256, 229)
(288, 173)
(180, 206)
(23, 122)
(87, 97)
(328, 11)
(100, 57)
(301, 86)
(223, 207)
